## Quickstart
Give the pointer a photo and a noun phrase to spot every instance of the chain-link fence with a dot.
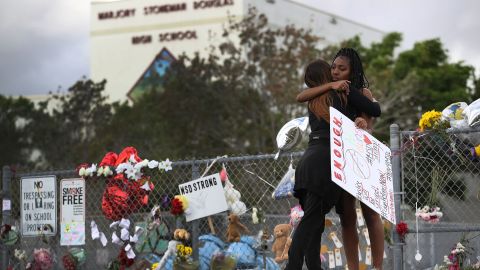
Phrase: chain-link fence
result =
(253, 176)
(440, 169)
(436, 169)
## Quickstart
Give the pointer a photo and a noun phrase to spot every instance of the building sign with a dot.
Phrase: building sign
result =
(361, 165)
(161, 9)
(205, 197)
(72, 212)
(38, 205)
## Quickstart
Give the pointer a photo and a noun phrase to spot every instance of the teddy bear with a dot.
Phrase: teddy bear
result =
(282, 238)
(181, 235)
(235, 228)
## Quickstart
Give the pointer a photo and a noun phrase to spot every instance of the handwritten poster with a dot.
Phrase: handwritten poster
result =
(205, 197)
(361, 165)
(72, 212)
(38, 205)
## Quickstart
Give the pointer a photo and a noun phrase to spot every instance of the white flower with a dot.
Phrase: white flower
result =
(82, 172)
(132, 159)
(133, 173)
(165, 165)
(446, 259)
(141, 164)
(90, 171)
(460, 246)
(20, 254)
(122, 167)
(100, 171)
(107, 171)
(152, 164)
(146, 186)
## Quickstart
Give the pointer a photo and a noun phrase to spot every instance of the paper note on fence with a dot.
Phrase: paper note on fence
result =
(361, 165)
(205, 197)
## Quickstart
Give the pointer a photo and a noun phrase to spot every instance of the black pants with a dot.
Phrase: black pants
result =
(308, 235)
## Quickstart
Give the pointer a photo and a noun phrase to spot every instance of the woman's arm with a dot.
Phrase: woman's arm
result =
(311, 93)
(363, 104)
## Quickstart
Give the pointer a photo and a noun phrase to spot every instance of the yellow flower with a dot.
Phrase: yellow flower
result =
(429, 120)
(188, 251)
(184, 201)
(154, 266)
(180, 248)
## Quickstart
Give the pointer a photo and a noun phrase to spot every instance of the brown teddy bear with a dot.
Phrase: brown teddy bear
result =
(181, 235)
(235, 228)
(282, 242)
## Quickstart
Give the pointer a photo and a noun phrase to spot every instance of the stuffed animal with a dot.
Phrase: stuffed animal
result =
(181, 235)
(285, 250)
(282, 234)
(235, 228)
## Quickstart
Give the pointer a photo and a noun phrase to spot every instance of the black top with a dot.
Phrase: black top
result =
(313, 170)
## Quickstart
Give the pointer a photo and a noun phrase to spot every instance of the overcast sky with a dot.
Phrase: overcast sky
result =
(45, 43)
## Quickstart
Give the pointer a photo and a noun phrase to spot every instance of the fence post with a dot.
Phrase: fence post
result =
(6, 213)
(395, 148)
(195, 223)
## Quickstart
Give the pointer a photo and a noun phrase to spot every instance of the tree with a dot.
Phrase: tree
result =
(16, 116)
(417, 80)
(65, 131)
(234, 100)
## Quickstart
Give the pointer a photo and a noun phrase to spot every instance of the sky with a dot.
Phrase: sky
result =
(45, 43)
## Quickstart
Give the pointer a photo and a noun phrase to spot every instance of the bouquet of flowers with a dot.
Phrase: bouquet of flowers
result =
(432, 120)
(456, 259)
(431, 215)
(183, 259)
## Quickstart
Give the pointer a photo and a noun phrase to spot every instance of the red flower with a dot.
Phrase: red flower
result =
(402, 230)
(125, 155)
(83, 165)
(109, 159)
(69, 262)
(124, 260)
(177, 208)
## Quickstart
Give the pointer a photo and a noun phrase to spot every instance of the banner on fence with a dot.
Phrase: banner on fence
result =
(72, 212)
(361, 165)
(205, 197)
(38, 204)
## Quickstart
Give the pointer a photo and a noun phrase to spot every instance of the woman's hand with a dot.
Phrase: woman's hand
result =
(342, 85)
(361, 123)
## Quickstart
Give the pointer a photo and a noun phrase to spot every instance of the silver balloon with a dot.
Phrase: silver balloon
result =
(291, 134)
(454, 111)
(472, 112)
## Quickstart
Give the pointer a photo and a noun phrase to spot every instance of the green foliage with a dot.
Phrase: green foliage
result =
(16, 116)
(67, 124)
(233, 100)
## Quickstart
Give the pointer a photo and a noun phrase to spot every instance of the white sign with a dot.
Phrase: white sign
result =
(72, 212)
(205, 197)
(38, 205)
(361, 165)
(72, 200)
(7, 205)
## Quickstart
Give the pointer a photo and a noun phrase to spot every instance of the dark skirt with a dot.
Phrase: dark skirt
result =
(313, 173)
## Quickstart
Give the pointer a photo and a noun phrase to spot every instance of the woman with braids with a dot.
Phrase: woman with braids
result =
(314, 187)
(347, 67)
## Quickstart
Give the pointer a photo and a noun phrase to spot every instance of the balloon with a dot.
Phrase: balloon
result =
(454, 111)
(473, 113)
(296, 214)
(291, 134)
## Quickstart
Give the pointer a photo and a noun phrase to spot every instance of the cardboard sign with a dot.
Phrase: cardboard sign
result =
(38, 204)
(205, 197)
(361, 165)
